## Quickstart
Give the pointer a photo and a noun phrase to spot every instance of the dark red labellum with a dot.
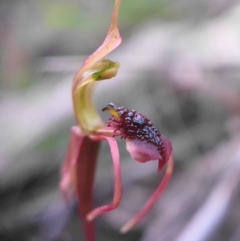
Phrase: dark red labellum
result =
(134, 126)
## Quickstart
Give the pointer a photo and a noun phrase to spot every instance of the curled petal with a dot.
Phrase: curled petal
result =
(112, 41)
(152, 200)
(117, 180)
(91, 72)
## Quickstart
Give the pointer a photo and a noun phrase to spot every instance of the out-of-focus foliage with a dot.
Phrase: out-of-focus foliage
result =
(65, 15)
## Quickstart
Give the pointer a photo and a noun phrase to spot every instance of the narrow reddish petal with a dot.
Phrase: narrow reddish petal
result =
(78, 175)
(69, 166)
(117, 180)
(152, 199)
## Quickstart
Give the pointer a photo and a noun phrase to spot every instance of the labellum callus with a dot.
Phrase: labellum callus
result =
(143, 141)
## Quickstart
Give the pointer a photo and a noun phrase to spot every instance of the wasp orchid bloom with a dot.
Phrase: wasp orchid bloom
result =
(143, 141)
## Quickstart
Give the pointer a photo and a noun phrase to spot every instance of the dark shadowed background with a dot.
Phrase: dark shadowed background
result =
(180, 65)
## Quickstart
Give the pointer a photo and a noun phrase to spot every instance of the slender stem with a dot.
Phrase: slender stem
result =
(117, 181)
(152, 199)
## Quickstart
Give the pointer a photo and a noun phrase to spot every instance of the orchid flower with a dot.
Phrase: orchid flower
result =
(143, 141)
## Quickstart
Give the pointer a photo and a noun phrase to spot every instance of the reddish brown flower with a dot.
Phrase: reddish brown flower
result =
(143, 141)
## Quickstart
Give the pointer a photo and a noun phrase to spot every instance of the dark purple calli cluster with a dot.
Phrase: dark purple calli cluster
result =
(144, 141)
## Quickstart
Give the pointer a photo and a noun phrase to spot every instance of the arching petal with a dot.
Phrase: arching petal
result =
(152, 200)
(90, 73)
(117, 180)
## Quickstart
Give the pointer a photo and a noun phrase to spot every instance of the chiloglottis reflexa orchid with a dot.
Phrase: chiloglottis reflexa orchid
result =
(143, 141)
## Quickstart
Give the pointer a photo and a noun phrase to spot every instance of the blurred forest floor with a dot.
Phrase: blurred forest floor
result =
(180, 65)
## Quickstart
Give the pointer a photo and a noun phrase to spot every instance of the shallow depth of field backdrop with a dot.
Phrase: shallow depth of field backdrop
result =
(180, 65)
